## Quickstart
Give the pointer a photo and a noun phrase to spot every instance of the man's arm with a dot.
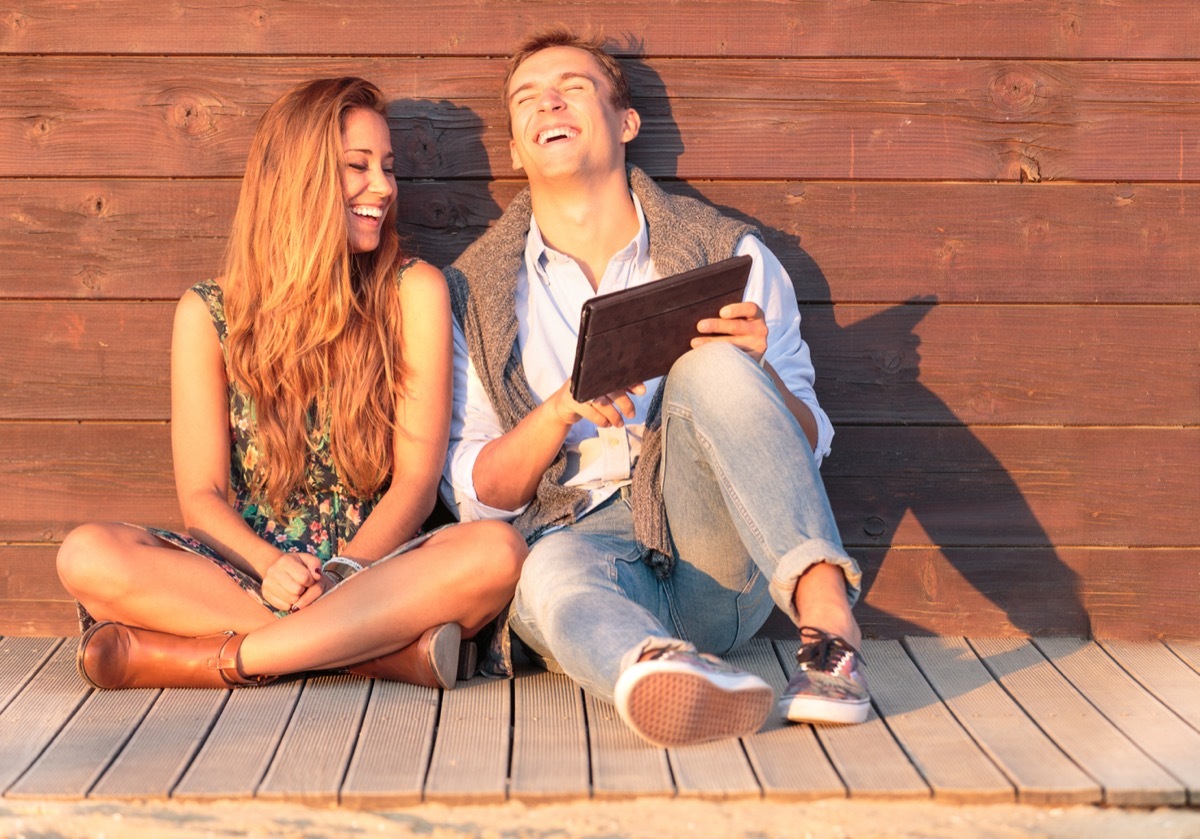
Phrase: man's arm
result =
(509, 468)
(493, 474)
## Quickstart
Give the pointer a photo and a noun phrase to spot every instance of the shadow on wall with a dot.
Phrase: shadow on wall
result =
(937, 470)
(443, 172)
(978, 522)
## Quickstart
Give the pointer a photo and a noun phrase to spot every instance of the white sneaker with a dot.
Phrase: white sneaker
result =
(829, 686)
(681, 697)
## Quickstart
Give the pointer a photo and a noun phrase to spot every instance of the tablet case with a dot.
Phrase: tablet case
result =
(629, 336)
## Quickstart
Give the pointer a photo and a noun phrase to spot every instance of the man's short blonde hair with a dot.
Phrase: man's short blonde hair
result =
(558, 35)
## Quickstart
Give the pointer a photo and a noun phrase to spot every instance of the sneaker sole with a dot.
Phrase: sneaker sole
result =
(811, 709)
(675, 709)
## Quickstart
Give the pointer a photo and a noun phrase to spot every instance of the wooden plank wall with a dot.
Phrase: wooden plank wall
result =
(991, 212)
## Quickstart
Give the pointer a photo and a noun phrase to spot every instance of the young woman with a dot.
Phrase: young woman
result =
(310, 385)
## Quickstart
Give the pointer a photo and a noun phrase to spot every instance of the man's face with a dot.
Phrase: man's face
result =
(563, 120)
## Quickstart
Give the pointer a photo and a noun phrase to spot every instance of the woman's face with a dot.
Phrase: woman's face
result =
(368, 181)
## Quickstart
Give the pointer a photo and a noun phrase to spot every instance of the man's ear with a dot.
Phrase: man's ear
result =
(516, 160)
(631, 125)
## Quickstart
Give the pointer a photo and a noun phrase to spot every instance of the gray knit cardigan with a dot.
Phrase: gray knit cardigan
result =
(684, 233)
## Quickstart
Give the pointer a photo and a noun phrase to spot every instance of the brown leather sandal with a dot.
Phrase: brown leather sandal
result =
(113, 656)
(438, 659)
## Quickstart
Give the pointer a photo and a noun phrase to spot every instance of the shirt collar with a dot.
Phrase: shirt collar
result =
(538, 255)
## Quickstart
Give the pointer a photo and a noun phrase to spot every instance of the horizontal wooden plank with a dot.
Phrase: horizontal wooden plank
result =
(961, 486)
(920, 363)
(27, 573)
(1015, 486)
(960, 242)
(86, 360)
(147, 239)
(955, 365)
(1065, 591)
(912, 120)
(869, 242)
(1115, 29)
(38, 618)
(54, 476)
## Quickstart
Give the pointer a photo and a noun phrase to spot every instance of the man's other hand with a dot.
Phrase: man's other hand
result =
(610, 410)
(741, 324)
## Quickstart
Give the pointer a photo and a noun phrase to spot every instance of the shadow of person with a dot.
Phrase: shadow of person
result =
(901, 453)
(444, 202)
(443, 172)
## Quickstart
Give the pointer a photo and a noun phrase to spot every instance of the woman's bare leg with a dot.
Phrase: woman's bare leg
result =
(464, 574)
(124, 574)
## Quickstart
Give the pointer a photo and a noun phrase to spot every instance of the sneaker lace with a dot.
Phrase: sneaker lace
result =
(827, 653)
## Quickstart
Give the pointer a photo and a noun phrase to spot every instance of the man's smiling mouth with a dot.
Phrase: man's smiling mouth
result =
(552, 134)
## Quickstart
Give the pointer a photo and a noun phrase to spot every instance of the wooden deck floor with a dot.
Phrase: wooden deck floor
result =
(1050, 721)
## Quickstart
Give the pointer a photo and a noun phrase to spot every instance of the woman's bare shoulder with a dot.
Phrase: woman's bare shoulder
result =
(420, 280)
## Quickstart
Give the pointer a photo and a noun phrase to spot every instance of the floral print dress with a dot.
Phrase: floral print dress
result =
(325, 516)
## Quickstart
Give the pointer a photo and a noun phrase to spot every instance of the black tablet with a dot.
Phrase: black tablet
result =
(629, 336)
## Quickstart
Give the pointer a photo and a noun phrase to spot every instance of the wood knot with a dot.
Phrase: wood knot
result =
(39, 128)
(259, 18)
(96, 206)
(948, 250)
(889, 361)
(16, 21)
(422, 149)
(1037, 230)
(191, 116)
(442, 215)
(1016, 90)
(90, 277)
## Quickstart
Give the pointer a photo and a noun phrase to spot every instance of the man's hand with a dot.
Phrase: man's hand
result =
(612, 409)
(741, 324)
(289, 577)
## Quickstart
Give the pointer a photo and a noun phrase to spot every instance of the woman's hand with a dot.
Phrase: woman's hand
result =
(323, 584)
(290, 577)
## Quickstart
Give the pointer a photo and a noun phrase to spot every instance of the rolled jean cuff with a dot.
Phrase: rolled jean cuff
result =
(653, 643)
(795, 562)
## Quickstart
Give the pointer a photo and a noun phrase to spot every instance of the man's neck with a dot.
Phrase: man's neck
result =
(588, 222)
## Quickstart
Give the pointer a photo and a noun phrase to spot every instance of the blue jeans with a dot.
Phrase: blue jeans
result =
(748, 515)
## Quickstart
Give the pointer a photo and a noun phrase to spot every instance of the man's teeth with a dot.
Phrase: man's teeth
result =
(556, 134)
(369, 212)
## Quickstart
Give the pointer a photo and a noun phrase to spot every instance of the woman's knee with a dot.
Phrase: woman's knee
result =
(505, 551)
(90, 559)
(492, 553)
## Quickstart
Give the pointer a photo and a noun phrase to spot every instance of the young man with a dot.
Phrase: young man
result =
(665, 523)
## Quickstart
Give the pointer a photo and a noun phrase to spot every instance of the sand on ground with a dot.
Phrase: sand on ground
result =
(638, 819)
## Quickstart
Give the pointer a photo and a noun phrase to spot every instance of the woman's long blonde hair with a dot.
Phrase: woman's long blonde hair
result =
(312, 329)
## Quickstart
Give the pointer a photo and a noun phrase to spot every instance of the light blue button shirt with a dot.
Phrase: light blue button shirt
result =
(551, 291)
